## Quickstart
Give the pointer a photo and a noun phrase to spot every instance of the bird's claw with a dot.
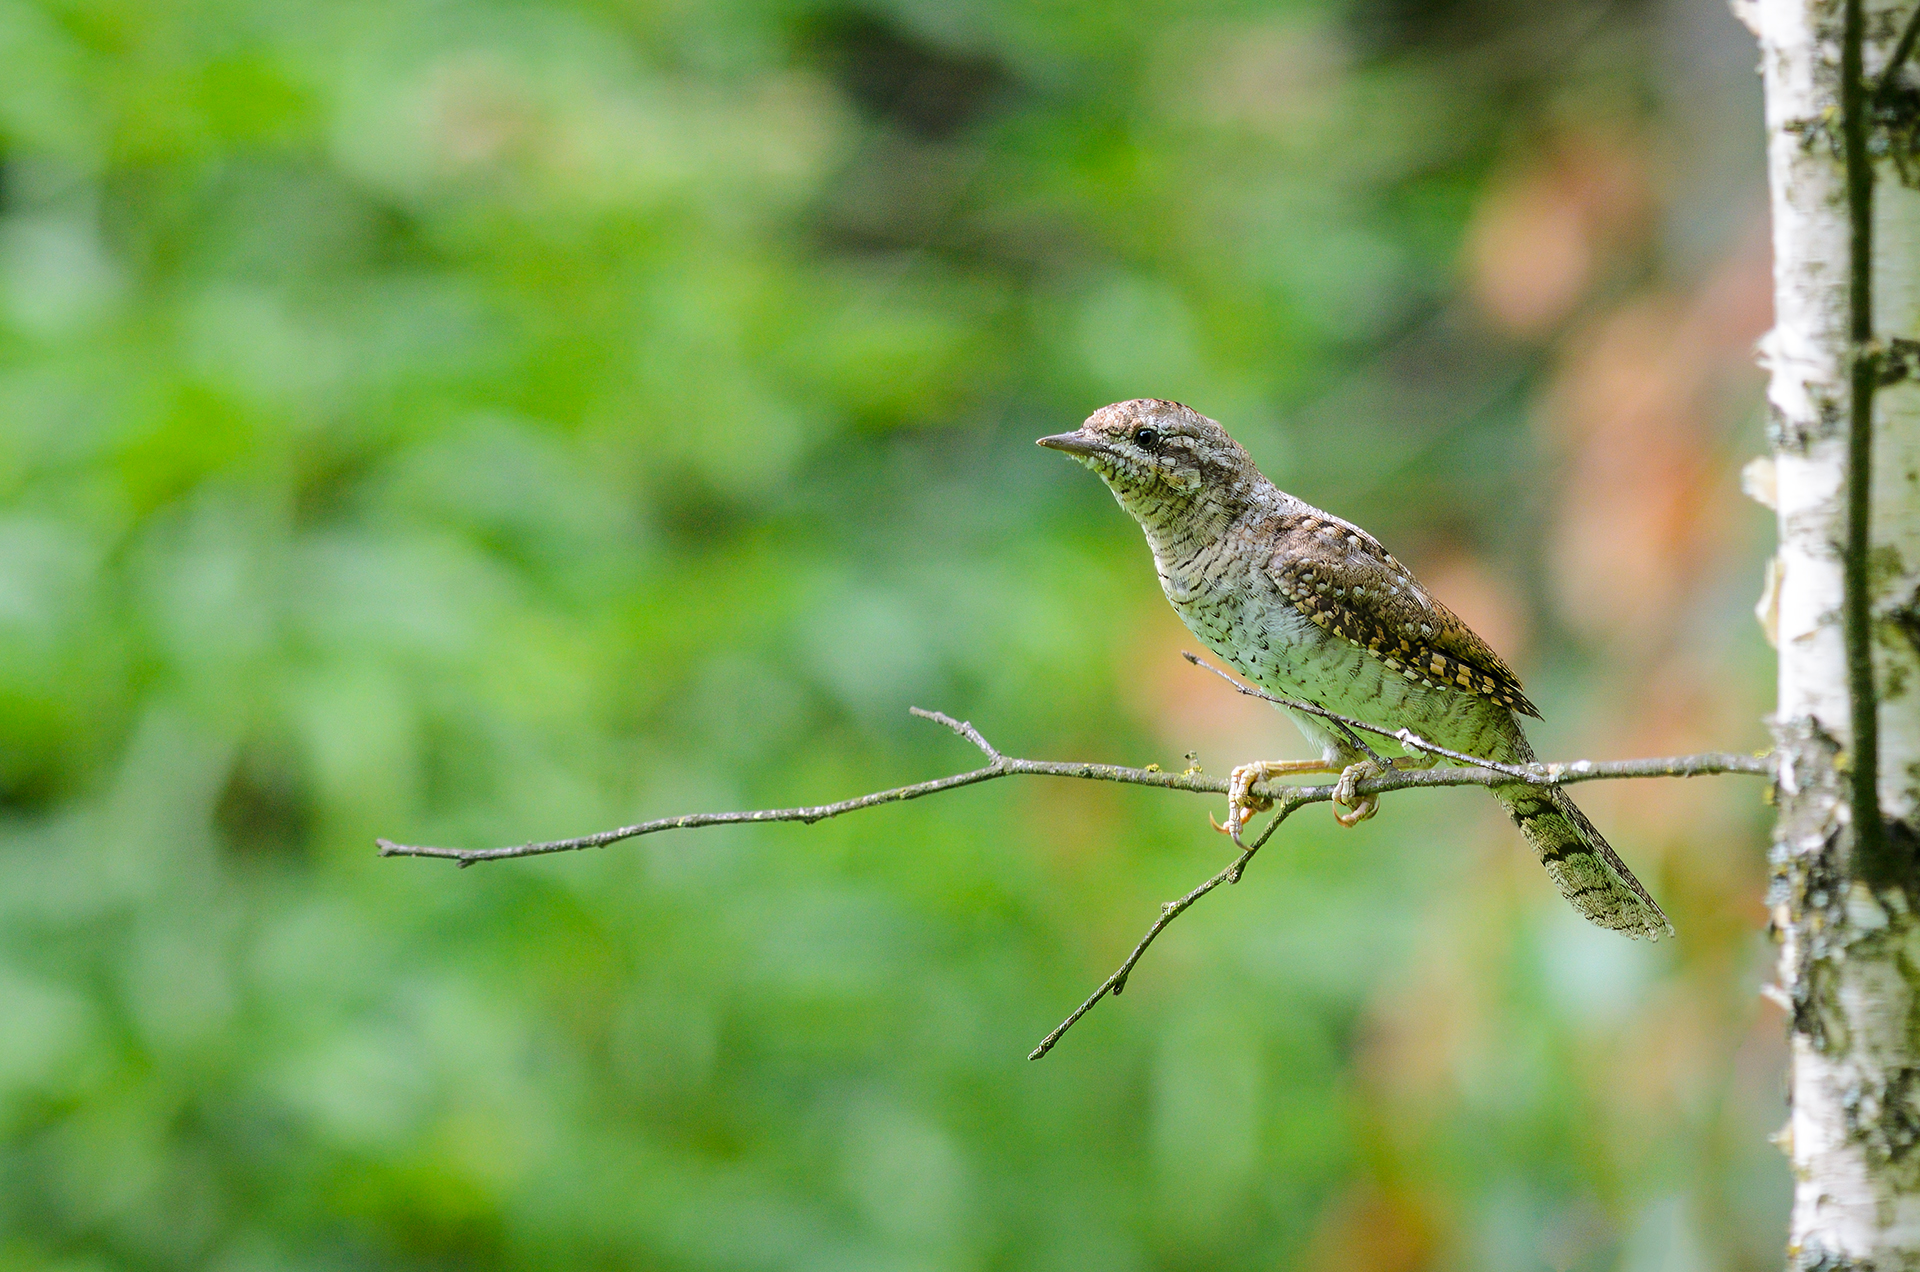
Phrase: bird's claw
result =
(1242, 803)
(1367, 806)
(1362, 806)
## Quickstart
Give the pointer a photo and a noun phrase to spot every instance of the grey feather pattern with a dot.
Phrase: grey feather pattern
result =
(1589, 874)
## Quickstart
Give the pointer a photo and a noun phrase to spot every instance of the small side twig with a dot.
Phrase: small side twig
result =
(1116, 984)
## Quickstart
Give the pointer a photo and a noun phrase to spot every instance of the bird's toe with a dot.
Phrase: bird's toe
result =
(1360, 807)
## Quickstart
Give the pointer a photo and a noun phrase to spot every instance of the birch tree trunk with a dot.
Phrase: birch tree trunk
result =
(1847, 921)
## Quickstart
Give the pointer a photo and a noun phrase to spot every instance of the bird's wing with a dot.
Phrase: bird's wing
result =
(1340, 576)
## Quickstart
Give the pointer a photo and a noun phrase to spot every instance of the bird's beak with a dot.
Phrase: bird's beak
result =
(1074, 443)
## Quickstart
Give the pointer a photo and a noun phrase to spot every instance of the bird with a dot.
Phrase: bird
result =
(1311, 607)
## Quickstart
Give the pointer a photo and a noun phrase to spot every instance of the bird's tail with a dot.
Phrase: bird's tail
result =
(1589, 874)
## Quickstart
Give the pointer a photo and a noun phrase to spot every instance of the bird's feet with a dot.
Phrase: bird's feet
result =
(1242, 804)
(1362, 806)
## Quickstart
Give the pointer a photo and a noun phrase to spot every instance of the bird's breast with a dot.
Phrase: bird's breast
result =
(1238, 611)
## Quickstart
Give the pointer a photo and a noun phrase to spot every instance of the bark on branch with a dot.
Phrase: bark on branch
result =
(1473, 771)
(1479, 773)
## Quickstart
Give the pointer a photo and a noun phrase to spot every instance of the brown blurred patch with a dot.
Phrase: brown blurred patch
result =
(1421, 1029)
(1540, 237)
(1639, 406)
(1467, 584)
(1680, 703)
(1372, 1228)
(1412, 1034)
(1082, 823)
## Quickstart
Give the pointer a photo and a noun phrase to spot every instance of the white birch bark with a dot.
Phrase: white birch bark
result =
(1849, 957)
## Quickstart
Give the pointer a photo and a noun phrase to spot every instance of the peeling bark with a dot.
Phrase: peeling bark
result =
(1849, 936)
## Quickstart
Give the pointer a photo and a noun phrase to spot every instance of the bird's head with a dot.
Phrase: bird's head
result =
(1163, 461)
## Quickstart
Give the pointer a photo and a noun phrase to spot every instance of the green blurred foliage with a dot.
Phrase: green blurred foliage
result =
(472, 422)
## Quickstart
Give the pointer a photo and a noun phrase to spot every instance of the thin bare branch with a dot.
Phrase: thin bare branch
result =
(999, 766)
(1286, 799)
(1475, 773)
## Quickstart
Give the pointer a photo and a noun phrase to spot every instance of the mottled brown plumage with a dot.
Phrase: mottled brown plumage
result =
(1309, 606)
(1341, 577)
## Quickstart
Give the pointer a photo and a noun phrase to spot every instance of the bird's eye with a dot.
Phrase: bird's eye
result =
(1147, 438)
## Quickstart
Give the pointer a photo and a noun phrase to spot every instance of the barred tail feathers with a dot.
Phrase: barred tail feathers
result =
(1589, 874)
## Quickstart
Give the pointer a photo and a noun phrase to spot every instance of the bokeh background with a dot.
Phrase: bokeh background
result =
(470, 422)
